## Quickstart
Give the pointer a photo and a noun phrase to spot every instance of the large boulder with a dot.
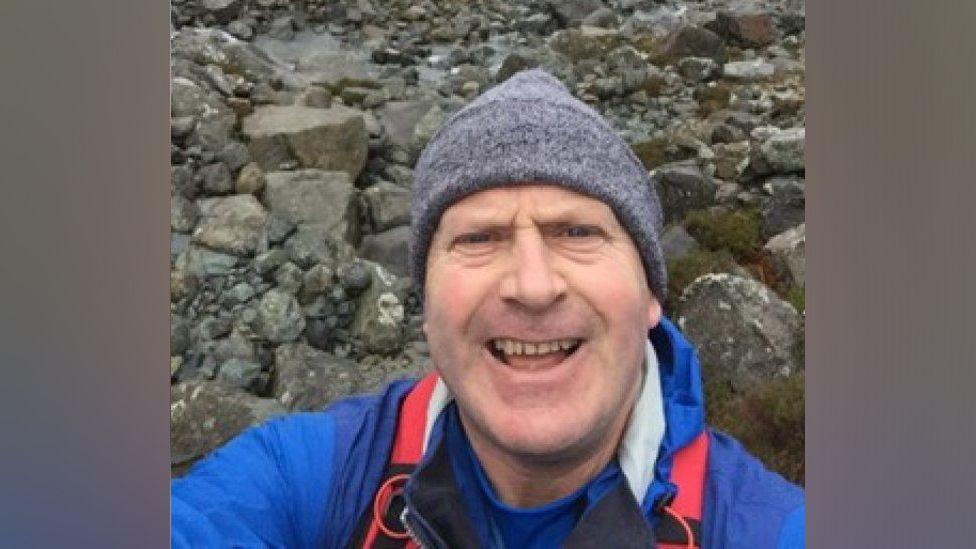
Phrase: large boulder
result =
(224, 11)
(784, 207)
(233, 224)
(333, 139)
(388, 205)
(746, 29)
(315, 197)
(779, 151)
(788, 250)
(752, 70)
(280, 317)
(742, 330)
(205, 414)
(694, 41)
(378, 322)
(400, 118)
(389, 248)
(307, 379)
(682, 187)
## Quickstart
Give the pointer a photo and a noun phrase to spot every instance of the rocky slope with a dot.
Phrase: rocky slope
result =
(295, 127)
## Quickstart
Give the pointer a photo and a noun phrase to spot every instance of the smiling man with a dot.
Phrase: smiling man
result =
(564, 409)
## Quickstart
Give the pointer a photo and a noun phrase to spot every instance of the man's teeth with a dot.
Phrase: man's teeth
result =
(513, 347)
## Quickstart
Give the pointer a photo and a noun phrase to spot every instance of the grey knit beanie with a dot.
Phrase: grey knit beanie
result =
(531, 130)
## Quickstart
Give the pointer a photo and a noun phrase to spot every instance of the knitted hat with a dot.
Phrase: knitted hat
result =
(531, 130)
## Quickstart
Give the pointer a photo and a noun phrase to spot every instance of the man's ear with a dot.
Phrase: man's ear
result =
(653, 313)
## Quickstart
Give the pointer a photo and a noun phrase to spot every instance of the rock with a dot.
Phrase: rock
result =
(181, 181)
(682, 186)
(584, 42)
(399, 118)
(355, 276)
(538, 23)
(223, 10)
(179, 335)
(282, 28)
(316, 281)
(570, 13)
(233, 224)
(415, 13)
(779, 151)
(742, 330)
(785, 207)
(388, 205)
(288, 278)
(306, 379)
(694, 41)
(217, 178)
(331, 139)
(279, 317)
(205, 414)
(313, 244)
(315, 197)
(424, 130)
(788, 250)
(744, 29)
(279, 229)
(335, 69)
(240, 29)
(730, 159)
(183, 214)
(180, 127)
(235, 155)
(697, 69)
(250, 180)
(239, 373)
(239, 293)
(753, 70)
(378, 322)
(602, 17)
(318, 97)
(269, 261)
(677, 243)
(203, 263)
(515, 62)
(389, 248)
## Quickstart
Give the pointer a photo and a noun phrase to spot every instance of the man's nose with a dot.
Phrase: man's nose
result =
(531, 279)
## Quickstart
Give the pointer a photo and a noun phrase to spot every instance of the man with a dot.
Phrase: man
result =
(565, 409)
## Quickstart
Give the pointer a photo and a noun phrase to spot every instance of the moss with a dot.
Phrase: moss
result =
(736, 231)
(713, 98)
(768, 419)
(797, 298)
(684, 270)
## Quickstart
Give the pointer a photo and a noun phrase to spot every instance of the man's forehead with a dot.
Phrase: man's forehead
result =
(548, 202)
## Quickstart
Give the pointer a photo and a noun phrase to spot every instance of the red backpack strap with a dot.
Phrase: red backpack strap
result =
(380, 527)
(683, 515)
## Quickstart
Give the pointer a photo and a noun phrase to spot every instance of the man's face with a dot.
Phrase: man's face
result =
(537, 311)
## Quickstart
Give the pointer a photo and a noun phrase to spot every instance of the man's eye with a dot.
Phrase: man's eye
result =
(580, 231)
(482, 237)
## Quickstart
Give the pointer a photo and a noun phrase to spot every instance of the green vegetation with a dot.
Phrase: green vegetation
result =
(797, 298)
(768, 419)
(712, 98)
(684, 270)
(719, 229)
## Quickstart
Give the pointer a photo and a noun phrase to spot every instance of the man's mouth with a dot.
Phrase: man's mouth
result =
(532, 355)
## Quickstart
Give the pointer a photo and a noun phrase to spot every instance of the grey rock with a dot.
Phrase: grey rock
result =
(204, 415)
(570, 13)
(401, 175)
(744, 28)
(682, 187)
(250, 180)
(180, 127)
(603, 17)
(269, 261)
(331, 139)
(179, 335)
(742, 330)
(315, 197)
(182, 182)
(282, 28)
(677, 243)
(354, 276)
(378, 322)
(210, 328)
(584, 43)
(538, 23)
(335, 69)
(223, 10)
(389, 248)
(235, 155)
(239, 373)
(779, 151)
(695, 41)
(239, 293)
(311, 244)
(183, 214)
(388, 205)
(307, 379)
(288, 278)
(316, 281)
(233, 224)
(217, 178)
(425, 129)
(399, 118)
(514, 62)
(753, 70)
(279, 229)
(784, 208)
(697, 69)
(279, 317)
(203, 263)
(236, 345)
(318, 97)
(788, 250)
(240, 29)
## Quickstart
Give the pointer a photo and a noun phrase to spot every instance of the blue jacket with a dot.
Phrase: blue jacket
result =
(305, 479)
